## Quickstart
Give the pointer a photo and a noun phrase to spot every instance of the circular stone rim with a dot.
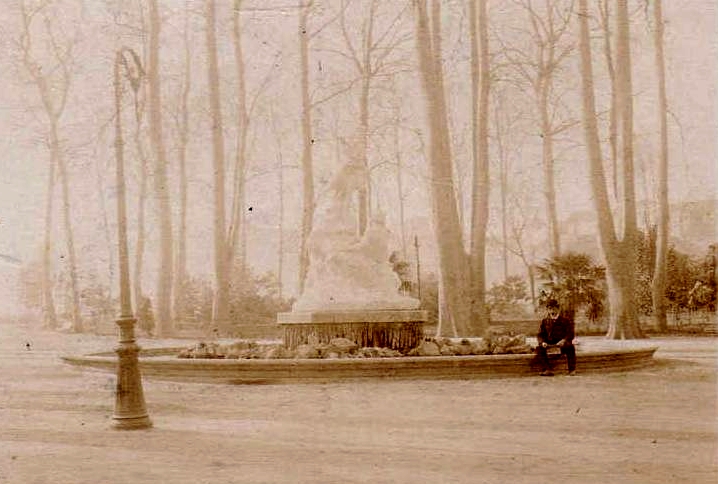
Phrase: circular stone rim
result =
(157, 363)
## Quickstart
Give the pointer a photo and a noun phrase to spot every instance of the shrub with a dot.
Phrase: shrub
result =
(507, 299)
(576, 282)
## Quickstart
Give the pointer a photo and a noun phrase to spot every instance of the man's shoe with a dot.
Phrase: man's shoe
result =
(572, 373)
(547, 373)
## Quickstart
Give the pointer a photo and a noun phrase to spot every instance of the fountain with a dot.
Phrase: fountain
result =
(351, 290)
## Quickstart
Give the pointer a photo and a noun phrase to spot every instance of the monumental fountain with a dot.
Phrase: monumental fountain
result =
(351, 293)
(351, 290)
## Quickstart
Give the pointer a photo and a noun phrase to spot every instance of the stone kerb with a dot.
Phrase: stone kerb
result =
(163, 364)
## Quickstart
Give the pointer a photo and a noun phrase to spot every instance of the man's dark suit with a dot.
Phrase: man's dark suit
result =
(551, 332)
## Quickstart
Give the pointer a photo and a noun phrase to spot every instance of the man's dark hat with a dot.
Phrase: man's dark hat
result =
(552, 303)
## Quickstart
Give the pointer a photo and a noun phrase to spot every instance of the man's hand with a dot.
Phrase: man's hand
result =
(544, 344)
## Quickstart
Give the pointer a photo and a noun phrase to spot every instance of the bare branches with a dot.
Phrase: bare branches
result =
(338, 92)
(347, 39)
(46, 78)
(260, 90)
(390, 29)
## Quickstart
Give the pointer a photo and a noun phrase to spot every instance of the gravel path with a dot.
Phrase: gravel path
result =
(654, 425)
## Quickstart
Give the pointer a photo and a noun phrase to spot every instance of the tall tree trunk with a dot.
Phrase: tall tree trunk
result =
(659, 274)
(504, 228)
(220, 313)
(307, 142)
(628, 327)
(48, 302)
(141, 206)
(162, 189)
(480, 82)
(236, 243)
(181, 272)
(620, 255)
(143, 160)
(532, 284)
(623, 318)
(503, 187)
(400, 187)
(280, 248)
(545, 81)
(363, 147)
(613, 110)
(105, 225)
(364, 201)
(67, 223)
(452, 256)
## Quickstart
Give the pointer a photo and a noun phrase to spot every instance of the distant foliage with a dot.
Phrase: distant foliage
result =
(705, 290)
(646, 255)
(97, 305)
(576, 282)
(196, 302)
(691, 283)
(255, 299)
(430, 296)
(252, 299)
(507, 299)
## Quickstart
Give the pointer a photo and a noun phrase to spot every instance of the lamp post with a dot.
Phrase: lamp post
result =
(130, 410)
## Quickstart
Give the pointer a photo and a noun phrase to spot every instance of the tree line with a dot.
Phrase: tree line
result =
(388, 88)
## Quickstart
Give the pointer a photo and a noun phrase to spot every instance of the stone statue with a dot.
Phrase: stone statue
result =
(348, 272)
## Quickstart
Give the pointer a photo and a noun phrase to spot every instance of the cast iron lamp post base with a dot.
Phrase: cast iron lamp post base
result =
(130, 411)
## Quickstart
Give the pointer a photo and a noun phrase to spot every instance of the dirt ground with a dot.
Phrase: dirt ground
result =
(654, 425)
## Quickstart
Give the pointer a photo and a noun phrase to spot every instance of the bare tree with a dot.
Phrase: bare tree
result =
(620, 253)
(605, 18)
(480, 88)
(236, 244)
(162, 189)
(660, 273)
(140, 95)
(519, 248)
(505, 118)
(371, 61)
(229, 242)
(548, 32)
(220, 313)
(182, 120)
(307, 158)
(400, 180)
(53, 85)
(280, 183)
(308, 203)
(49, 315)
(452, 255)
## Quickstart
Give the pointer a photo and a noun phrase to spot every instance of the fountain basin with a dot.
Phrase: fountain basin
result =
(597, 356)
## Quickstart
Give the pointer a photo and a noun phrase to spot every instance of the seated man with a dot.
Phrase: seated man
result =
(557, 331)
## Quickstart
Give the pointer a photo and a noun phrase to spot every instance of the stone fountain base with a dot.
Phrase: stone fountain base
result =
(398, 329)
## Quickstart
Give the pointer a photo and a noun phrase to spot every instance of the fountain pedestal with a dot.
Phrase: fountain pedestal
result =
(398, 329)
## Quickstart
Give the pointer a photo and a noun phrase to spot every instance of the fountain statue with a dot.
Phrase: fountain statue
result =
(350, 285)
